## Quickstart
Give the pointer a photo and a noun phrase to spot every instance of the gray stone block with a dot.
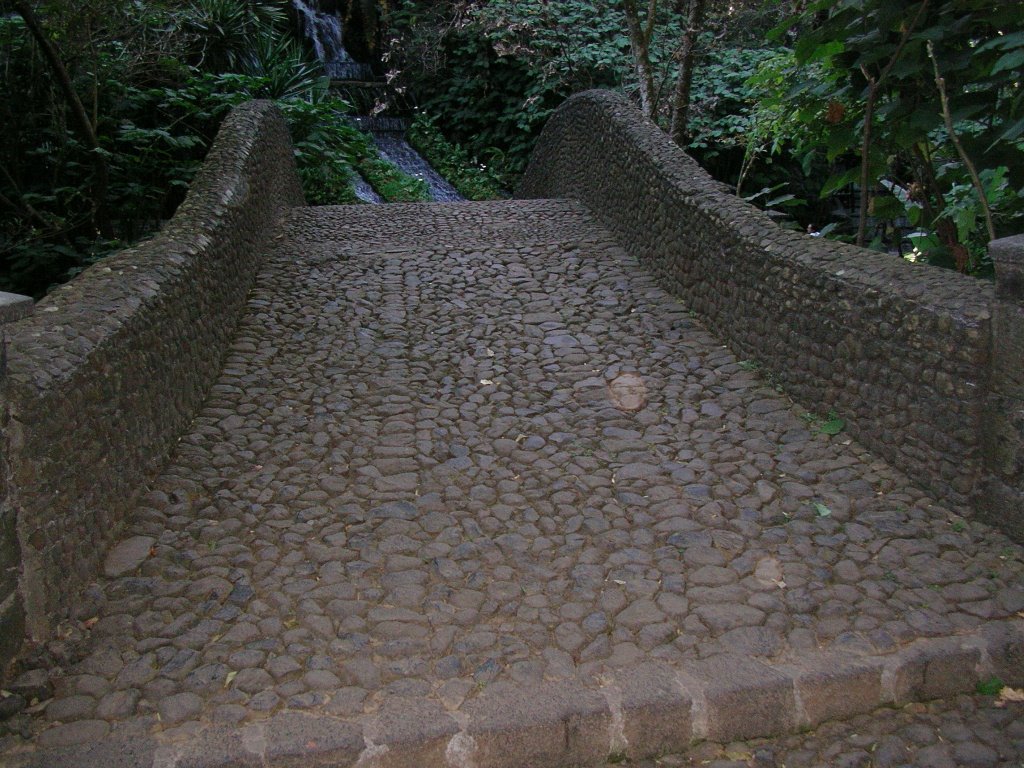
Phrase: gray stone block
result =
(543, 726)
(932, 669)
(657, 713)
(740, 699)
(835, 686)
(14, 306)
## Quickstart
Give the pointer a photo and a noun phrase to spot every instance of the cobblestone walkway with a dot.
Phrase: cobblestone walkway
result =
(460, 446)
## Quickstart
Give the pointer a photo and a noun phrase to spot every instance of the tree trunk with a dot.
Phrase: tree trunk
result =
(874, 84)
(865, 162)
(85, 127)
(640, 41)
(681, 99)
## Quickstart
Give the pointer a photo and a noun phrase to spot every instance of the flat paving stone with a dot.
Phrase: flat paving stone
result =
(960, 732)
(455, 448)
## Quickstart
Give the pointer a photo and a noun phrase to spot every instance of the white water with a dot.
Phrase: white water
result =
(324, 32)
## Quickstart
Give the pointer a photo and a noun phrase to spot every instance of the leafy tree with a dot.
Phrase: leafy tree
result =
(110, 105)
(919, 91)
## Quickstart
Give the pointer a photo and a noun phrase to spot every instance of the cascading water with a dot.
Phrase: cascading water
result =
(325, 33)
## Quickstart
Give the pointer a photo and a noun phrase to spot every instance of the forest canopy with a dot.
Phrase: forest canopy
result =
(897, 124)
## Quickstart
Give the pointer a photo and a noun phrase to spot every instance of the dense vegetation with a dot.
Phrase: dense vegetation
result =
(894, 123)
(110, 105)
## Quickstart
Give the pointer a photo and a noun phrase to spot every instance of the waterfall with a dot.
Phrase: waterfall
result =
(324, 31)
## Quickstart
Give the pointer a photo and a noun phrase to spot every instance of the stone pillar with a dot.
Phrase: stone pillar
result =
(1001, 499)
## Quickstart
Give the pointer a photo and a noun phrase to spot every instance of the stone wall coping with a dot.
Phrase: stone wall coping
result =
(636, 713)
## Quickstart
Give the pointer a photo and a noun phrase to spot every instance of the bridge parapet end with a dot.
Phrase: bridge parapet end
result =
(1001, 496)
(900, 351)
(14, 306)
(100, 381)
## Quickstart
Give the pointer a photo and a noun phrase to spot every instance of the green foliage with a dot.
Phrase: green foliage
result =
(492, 73)
(722, 115)
(473, 180)
(992, 686)
(851, 56)
(326, 148)
(391, 183)
(830, 425)
(155, 116)
(226, 32)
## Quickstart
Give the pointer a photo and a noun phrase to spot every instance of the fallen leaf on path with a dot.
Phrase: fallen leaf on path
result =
(1015, 695)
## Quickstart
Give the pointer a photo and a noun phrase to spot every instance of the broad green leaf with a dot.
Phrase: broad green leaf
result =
(838, 181)
(1012, 60)
(821, 509)
(832, 426)
(1003, 41)
(885, 207)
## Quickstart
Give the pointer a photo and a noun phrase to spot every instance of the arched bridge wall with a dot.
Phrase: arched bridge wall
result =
(102, 379)
(904, 353)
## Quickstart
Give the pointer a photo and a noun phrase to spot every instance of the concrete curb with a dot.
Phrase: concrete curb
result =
(640, 712)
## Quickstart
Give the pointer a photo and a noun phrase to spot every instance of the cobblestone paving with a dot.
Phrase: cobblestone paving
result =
(968, 732)
(453, 445)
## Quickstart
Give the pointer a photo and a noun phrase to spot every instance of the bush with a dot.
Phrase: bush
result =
(473, 180)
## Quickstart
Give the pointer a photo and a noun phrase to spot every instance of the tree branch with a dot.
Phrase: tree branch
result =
(681, 100)
(947, 116)
(639, 40)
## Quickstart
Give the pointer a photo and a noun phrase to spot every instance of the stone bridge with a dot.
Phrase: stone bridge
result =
(540, 482)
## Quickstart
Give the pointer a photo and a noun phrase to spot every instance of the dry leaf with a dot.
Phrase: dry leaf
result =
(1015, 695)
(231, 676)
(90, 623)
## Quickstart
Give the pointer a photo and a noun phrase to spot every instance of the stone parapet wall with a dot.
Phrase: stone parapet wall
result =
(900, 351)
(103, 378)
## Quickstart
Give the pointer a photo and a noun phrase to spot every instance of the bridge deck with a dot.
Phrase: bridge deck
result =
(455, 447)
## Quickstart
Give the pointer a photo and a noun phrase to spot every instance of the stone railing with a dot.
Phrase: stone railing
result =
(902, 352)
(109, 370)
